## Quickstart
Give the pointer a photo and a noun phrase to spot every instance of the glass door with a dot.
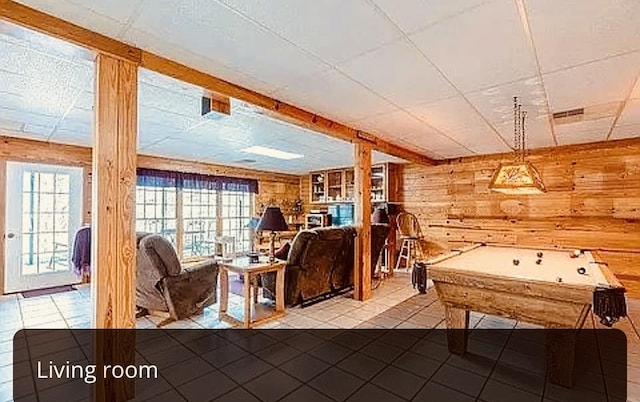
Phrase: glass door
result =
(44, 211)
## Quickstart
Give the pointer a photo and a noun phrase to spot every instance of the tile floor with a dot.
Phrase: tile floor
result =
(395, 304)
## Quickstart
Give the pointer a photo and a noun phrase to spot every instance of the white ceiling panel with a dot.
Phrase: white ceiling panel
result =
(398, 123)
(334, 95)
(572, 32)
(621, 132)
(631, 113)
(592, 84)
(412, 15)
(480, 140)
(106, 24)
(496, 103)
(635, 94)
(537, 131)
(400, 73)
(483, 47)
(206, 27)
(453, 114)
(584, 131)
(339, 22)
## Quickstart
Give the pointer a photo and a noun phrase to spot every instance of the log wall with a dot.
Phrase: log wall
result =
(593, 201)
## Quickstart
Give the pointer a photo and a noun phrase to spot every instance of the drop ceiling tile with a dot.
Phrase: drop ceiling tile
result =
(397, 123)
(330, 29)
(629, 131)
(584, 131)
(537, 131)
(480, 140)
(483, 47)
(635, 94)
(25, 116)
(119, 10)
(568, 33)
(631, 113)
(72, 137)
(81, 16)
(412, 15)
(592, 84)
(211, 30)
(496, 103)
(452, 114)
(380, 157)
(400, 73)
(179, 102)
(333, 95)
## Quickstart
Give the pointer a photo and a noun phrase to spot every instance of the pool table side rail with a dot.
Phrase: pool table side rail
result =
(608, 274)
(575, 293)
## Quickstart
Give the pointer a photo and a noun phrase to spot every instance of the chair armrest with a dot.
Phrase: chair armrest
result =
(192, 290)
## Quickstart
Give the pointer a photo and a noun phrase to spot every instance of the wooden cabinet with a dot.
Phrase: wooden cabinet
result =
(318, 189)
(335, 185)
(338, 185)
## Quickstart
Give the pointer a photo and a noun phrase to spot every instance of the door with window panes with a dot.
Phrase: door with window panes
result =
(44, 211)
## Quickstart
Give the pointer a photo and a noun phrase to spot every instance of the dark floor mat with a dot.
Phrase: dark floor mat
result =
(47, 291)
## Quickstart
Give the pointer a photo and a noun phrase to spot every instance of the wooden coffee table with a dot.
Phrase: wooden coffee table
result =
(250, 272)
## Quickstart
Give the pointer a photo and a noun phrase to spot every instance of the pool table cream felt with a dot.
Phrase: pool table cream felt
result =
(498, 260)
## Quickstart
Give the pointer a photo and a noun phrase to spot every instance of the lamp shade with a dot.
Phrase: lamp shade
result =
(380, 216)
(272, 220)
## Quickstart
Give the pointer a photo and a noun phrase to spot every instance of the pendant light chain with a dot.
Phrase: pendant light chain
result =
(519, 131)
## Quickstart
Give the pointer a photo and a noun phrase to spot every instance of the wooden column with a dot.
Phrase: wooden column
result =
(362, 203)
(113, 247)
(113, 254)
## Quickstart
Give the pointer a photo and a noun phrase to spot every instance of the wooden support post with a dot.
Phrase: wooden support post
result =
(362, 203)
(113, 256)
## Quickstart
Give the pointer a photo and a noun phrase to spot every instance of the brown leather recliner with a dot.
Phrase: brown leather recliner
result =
(320, 263)
(164, 285)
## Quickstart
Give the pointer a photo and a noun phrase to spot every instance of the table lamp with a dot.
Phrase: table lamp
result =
(272, 220)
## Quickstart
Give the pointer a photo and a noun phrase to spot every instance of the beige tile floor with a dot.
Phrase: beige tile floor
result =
(394, 305)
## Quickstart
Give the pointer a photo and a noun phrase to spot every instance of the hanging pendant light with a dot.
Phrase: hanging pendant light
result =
(518, 177)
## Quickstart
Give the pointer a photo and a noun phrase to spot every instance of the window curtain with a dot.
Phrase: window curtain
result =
(164, 178)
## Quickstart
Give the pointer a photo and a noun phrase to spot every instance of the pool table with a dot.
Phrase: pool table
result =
(534, 285)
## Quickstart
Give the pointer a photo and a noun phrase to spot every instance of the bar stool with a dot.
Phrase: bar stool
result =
(411, 236)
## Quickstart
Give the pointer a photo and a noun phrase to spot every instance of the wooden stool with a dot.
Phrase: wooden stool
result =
(411, 237)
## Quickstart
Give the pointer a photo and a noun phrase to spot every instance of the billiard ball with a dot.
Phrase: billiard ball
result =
(539, 254)
(582, 270)
(539, 261)
(516, 261)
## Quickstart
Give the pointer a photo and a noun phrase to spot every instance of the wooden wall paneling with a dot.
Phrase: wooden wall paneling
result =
(592, 203)
(362, 218)
(3, 228)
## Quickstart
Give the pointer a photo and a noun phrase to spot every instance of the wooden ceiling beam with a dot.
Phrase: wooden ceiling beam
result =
(59, 28)
(38, 21)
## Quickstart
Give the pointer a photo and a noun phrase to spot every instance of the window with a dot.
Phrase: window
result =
(191, 210)
(199, 213)
(45, 223)
(237, 210)
(156, 211)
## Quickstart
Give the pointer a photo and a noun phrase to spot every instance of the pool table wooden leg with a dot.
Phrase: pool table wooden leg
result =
(561, 348)
(457, 320)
